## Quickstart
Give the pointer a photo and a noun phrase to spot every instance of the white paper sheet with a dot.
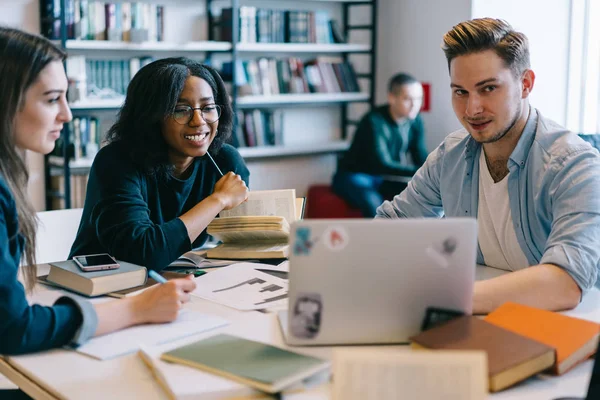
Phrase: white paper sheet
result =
(244, 286)
(129, 340)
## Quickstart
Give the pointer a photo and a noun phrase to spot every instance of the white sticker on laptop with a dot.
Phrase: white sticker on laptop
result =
(336, 238)
(305, 320)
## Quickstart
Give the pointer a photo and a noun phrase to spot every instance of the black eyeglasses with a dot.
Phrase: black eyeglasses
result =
(185, 114)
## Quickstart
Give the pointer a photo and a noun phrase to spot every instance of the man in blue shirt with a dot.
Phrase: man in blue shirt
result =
(533, 186)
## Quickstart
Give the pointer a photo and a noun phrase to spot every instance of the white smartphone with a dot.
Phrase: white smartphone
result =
(96, 262)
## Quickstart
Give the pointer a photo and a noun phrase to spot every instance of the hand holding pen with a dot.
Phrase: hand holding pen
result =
(231, 190)
(161, 303)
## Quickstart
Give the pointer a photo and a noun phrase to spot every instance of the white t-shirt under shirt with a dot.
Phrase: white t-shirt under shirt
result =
(497, 238)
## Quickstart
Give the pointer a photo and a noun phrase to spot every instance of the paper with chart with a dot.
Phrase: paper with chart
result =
(129, 340)
(245, 286)
(280, 203)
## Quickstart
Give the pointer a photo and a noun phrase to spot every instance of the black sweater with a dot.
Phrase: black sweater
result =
(375, 139)
(134, 216)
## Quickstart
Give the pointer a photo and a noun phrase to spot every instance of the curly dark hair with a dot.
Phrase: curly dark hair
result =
(151, 97)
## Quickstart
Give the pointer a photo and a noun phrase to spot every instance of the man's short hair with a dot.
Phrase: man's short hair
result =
(399, 80)
(483, 34)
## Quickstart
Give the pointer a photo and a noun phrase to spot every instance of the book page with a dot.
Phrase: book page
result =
(252, 236)
(244, 286)
(365, 374)
(281, 203)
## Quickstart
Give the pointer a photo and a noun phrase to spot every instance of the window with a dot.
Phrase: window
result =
(583, 103)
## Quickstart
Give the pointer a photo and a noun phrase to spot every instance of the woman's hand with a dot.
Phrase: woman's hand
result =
(230, 190)
(162, 302)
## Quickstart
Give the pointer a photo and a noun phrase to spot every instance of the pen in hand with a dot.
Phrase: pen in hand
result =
(156, 276)
(214, 163)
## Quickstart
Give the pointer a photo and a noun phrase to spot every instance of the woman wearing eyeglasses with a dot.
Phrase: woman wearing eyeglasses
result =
(153, 189)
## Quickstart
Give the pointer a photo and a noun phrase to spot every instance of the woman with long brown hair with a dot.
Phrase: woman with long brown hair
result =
(33, 110)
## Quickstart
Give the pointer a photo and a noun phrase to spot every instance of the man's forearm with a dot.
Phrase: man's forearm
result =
(543, 286)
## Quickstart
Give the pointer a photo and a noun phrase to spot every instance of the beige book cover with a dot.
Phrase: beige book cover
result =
(68, 275)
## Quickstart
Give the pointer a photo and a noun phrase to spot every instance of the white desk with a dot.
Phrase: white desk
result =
(63, 374)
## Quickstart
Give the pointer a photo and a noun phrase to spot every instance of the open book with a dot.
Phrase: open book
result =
(257, 228)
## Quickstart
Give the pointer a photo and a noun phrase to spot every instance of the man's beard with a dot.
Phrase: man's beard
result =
(503, 132)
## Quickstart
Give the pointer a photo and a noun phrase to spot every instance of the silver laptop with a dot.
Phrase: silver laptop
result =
(371, 281)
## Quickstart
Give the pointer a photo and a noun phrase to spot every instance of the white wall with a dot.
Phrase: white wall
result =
(546, 24)
(410, 35)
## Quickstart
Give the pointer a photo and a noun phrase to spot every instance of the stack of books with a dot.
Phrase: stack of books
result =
(258, 228)
(519, 341)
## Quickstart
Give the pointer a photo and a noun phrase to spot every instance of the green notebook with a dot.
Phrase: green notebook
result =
(262, 366)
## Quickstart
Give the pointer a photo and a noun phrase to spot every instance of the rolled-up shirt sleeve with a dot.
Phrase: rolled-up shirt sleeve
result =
(574, 240)
(89, 319)
(28, 328)
(422, 196)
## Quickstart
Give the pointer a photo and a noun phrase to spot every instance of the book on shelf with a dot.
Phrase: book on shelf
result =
(77, 193)
(258, 228)
(574, 339)
(68, 275)
(261, 25)
(98, 20)
(511, 357)
(267, 76)
(259, 128)
(258, 365)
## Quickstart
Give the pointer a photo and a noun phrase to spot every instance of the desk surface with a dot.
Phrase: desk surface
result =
(70, 375)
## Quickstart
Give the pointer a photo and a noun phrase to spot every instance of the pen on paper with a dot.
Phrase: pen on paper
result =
(154, 275)
(214, 163)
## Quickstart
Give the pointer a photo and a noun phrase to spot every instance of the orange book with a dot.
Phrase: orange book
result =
(574, 339)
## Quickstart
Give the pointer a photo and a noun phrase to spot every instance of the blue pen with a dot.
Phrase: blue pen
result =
(154, 275)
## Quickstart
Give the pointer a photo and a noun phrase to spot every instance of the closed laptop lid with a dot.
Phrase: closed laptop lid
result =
(370, 281)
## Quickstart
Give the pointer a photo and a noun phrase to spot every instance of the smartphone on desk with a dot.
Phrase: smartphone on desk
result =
(96, 262)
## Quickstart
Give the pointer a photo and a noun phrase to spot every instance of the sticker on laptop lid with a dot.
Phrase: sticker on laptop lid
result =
(441, 253)
(305, 321)
(303, 244)
(336, 238)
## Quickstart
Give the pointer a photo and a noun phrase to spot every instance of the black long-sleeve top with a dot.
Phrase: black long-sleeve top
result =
(134, 216)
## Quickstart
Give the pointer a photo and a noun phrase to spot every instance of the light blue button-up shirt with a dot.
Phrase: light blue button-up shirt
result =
(553, 189)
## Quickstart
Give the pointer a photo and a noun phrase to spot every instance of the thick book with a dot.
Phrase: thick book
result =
(258, 228)
(511, 357)
(68, 275)
(259, 365)
(574, 339)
